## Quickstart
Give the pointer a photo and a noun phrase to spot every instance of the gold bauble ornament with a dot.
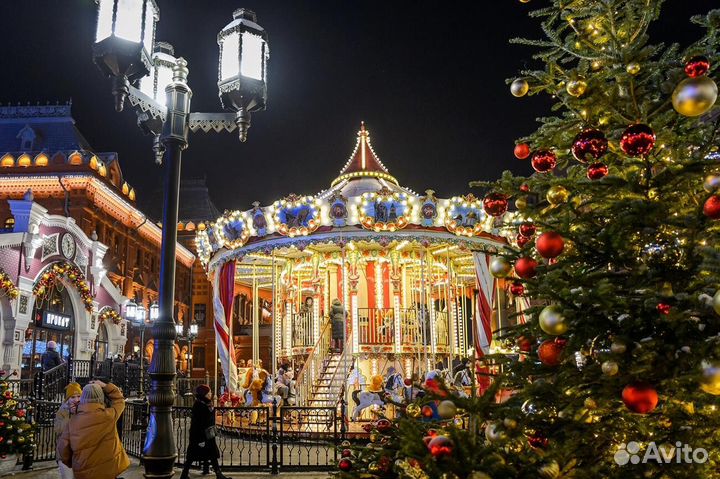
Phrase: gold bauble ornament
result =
(576, 88)
(552, 321)
(596, 65)
(510, 423)
(610, 368)
(521, 203)
(374, 467)
(618, 347)
(666, 290)
(710, 382)
(557, 195)
(374, 436)
(413, 410)
(633, 68)
(447, 409)
(711, 183)
(519, 87)
(459, 422)
(694, 96)
(500, 267)
(524, 1)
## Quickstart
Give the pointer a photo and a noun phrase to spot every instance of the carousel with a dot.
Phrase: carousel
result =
(352, 290)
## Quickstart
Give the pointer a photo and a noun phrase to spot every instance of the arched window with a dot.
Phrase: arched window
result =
(102, 348)
(9, 223)
(75, 159)
(41, 160)
(7, 161)
(24, 161)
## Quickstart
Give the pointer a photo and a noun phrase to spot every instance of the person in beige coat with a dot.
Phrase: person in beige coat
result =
(62, 418)
(90, 443)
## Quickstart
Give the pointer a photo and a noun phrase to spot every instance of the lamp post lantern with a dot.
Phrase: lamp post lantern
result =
(125, 50)
(192, 334)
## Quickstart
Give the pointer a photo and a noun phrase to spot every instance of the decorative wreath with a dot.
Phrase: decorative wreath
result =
(7, 285)
(110, 314)
(72, 273)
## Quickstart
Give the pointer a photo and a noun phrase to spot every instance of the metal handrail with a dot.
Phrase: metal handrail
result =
(343, 361)
(313, 365)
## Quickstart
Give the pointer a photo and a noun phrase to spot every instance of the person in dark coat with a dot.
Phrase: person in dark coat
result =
(201, 443)
(51, 358)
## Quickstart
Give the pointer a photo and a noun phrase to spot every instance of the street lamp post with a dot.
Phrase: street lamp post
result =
(137, 315)
(191, 337)
(123, 50)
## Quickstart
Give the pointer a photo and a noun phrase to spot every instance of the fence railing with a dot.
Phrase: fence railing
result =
(302, 330)
(265, 439)
(376, 326)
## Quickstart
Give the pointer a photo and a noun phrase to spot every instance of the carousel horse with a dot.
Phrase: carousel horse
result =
(462, 380)
(394, 386)
(369, 398)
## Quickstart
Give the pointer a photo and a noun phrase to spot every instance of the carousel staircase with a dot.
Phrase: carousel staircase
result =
(328, 388)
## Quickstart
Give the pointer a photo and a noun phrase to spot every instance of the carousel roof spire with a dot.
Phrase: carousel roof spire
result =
(363, 161)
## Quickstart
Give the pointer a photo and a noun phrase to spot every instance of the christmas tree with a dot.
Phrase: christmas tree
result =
(16, 431)
(614, 251)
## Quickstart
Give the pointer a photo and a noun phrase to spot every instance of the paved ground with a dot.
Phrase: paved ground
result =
(47, 470)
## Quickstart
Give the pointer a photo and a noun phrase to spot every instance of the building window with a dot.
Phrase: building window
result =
(198, 357)
(9, 224)
(199, 314)
(138, 258)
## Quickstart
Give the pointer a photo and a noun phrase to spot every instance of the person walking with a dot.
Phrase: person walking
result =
(62, 418)
(50, 358)
(201, 444)
(89, 442)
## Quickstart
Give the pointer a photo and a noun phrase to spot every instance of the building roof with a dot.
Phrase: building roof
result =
(49, 128)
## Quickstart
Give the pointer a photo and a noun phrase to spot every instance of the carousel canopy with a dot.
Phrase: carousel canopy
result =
(365, 209)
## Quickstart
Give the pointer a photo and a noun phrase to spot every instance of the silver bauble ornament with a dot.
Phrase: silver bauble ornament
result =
(500, 267)
(494, 432)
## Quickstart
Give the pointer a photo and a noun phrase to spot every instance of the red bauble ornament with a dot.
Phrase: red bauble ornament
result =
(550, 350)
(640, 397)
(368, 427)
(538, 440)
(663, 308)
(522, 151)
(525, 188)
(525, 267)
(637, 140)
(407, 382)
(383, 425)
(441, 446)
(524, 344)
(711, 208)
(544, 161)
(517, 289)
(597, 171)
(495, 204)
(589, 145)
(345, 464)
(527, 229)
(426, 411)
(697, 66)
(522, 240)
(550, 244)
(346, 453)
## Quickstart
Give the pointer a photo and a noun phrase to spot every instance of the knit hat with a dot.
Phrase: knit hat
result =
(51, 345)
(92, 393)
(202, 390)
(72, 389)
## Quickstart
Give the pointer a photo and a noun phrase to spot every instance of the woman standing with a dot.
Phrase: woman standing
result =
(89, 442)
(202, 445)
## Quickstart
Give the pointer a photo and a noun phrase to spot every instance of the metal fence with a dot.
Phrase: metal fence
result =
(263, 439)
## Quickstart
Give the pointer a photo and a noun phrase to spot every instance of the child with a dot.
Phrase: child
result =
(62, 417)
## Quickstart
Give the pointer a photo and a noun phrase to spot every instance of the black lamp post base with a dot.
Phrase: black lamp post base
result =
(159, 467)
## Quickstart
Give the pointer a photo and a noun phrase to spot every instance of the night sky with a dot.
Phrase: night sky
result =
(428, 78)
